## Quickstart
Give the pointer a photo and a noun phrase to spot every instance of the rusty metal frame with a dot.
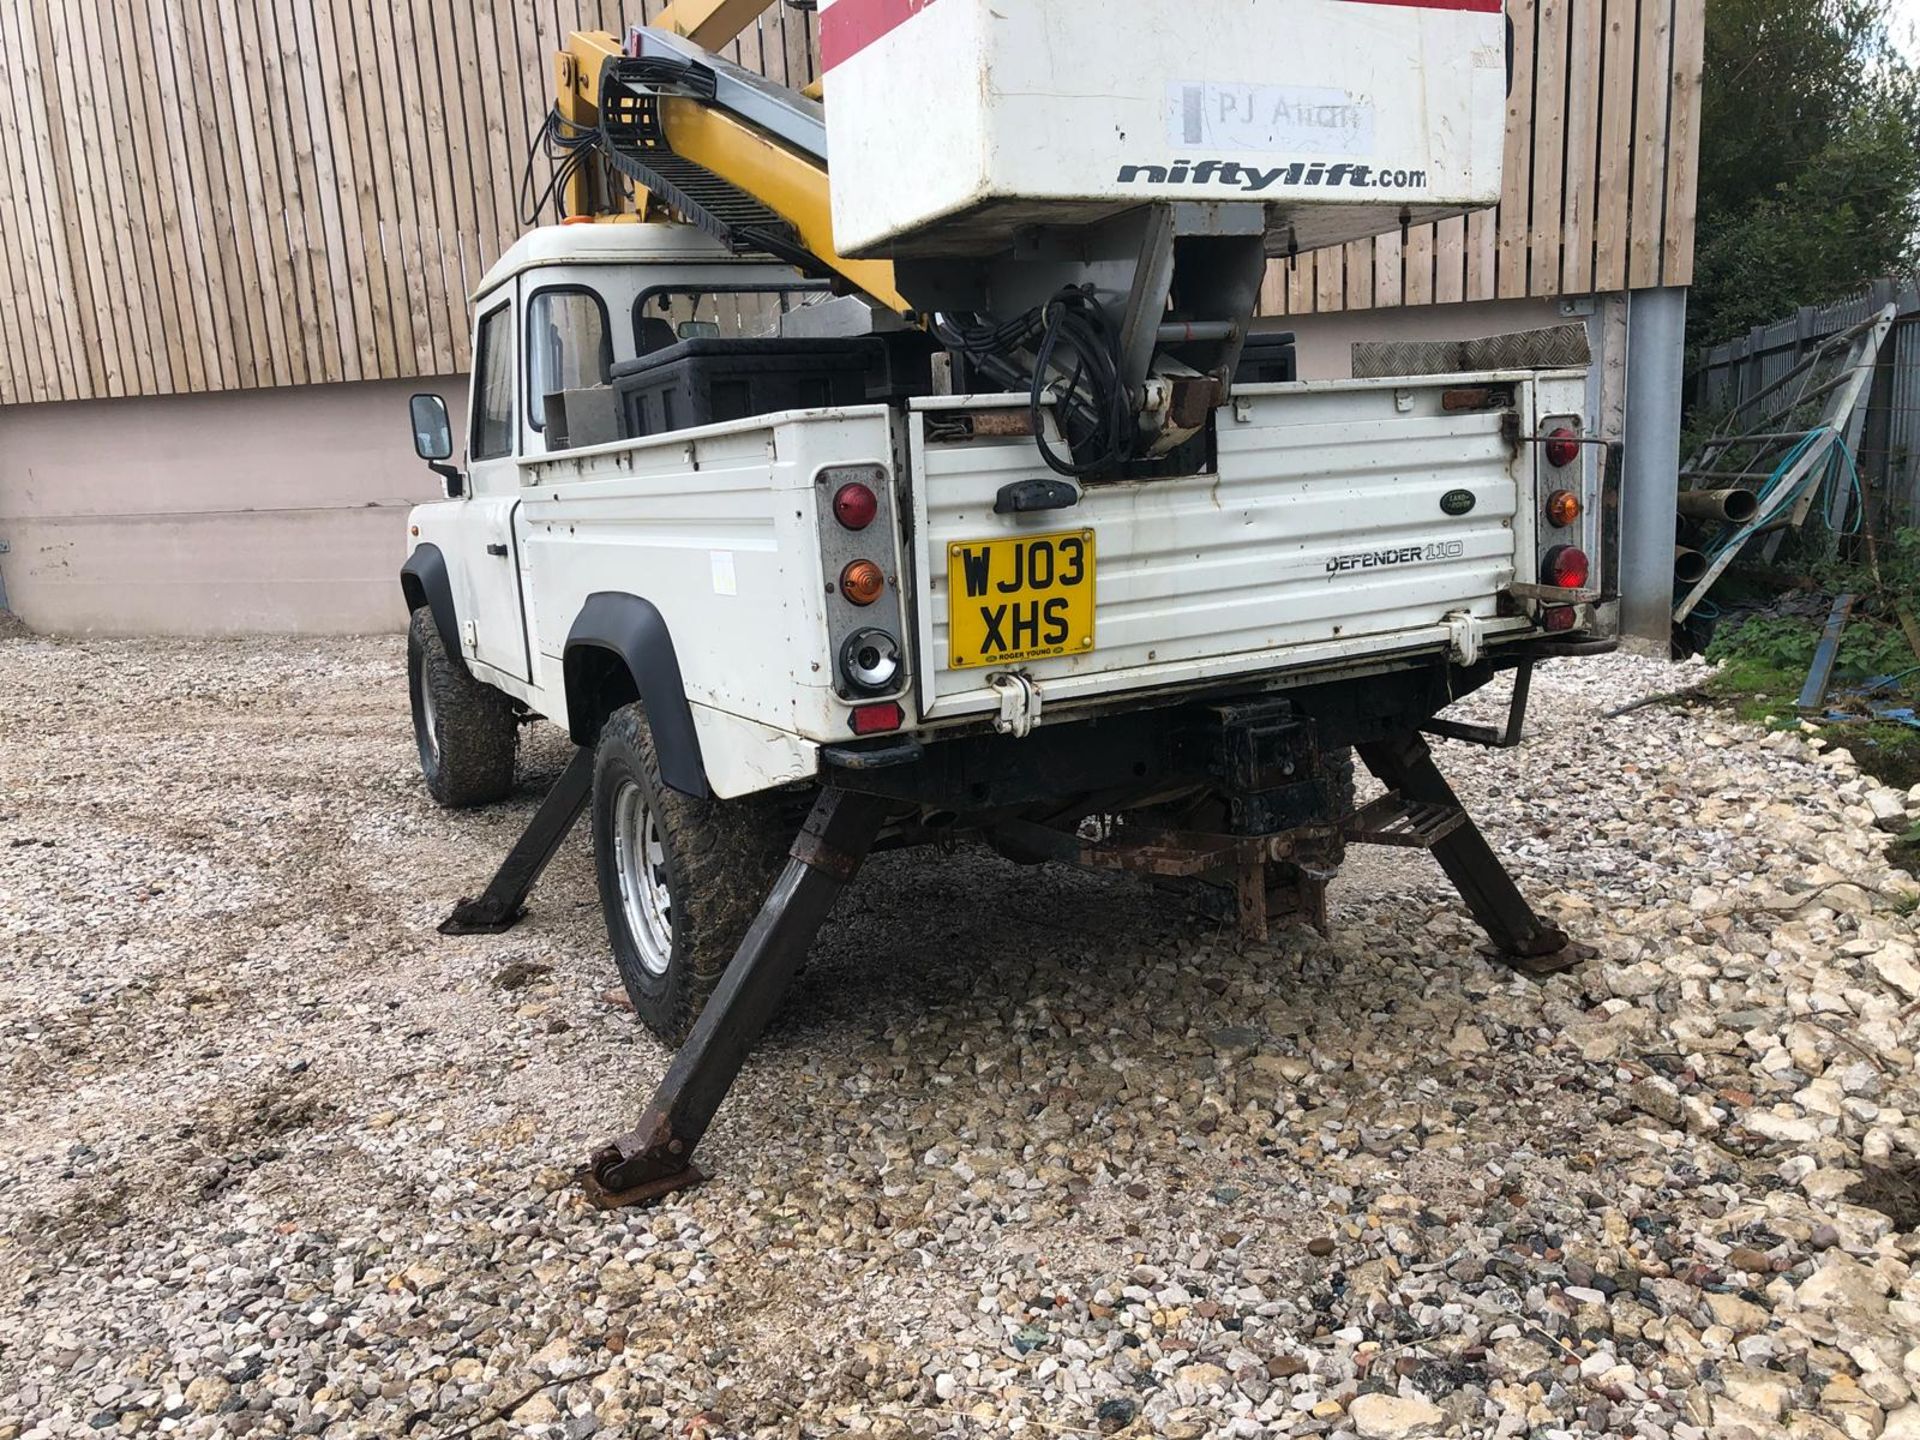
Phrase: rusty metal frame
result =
(1273, 876)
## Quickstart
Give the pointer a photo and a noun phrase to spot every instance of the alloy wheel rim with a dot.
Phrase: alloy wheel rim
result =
(640, 861)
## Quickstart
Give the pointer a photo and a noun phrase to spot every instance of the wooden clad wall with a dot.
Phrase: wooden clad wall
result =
(225, 194)
(1603, 152)
(203, 195)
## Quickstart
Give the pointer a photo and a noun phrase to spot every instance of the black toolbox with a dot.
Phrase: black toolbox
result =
(707, 381)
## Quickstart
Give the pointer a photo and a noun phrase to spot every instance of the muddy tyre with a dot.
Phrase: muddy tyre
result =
(465, 729)
(680, 879)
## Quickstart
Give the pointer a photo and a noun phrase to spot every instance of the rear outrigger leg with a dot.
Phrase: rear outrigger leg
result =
(504, 903)
(1524, 941)
(655, 1158)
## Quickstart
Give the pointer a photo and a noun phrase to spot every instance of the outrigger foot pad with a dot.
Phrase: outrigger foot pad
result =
(1570, 955)
(645, 1193)
(504, 904)
(481, 917)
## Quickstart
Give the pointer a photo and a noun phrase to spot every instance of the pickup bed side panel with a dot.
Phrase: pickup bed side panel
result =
(716, 528)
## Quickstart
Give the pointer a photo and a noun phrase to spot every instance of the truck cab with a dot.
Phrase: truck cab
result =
(556, 314)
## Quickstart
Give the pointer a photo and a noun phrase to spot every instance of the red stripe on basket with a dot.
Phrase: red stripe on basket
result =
(850, 26)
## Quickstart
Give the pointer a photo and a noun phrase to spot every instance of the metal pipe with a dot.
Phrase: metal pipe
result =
(1688, 565)
(1736, 507)
(1179, 332)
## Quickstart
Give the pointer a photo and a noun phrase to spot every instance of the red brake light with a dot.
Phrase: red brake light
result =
(855, 506)
(878, 719)
(1563, 448)
(1557, 619)
(1566, 566)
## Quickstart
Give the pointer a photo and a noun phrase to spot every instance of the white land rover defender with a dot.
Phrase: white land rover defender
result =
(951, 489)
(807, 566)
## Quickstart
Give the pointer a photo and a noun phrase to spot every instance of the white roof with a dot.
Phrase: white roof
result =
(609, 244)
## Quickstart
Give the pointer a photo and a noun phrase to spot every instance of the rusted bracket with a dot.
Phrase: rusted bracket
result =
(1509, 735)
(1272, 875)
(655, 1158)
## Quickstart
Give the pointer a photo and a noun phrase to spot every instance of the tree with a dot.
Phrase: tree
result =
(1809, 159)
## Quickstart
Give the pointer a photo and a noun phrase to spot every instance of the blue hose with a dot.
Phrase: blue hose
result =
(1839, 465)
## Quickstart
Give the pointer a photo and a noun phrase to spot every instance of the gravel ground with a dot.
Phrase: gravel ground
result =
(1029, 1151)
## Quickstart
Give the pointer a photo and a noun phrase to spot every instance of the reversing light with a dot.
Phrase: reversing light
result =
(1563, 448)
(855, 506)
(878, 719)
(1563, 508)
(1566, 567)
(863, 582)
(871, 660)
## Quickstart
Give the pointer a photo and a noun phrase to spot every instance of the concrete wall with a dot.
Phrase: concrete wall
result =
(284, 511)
(1325, 342)
(262, 511)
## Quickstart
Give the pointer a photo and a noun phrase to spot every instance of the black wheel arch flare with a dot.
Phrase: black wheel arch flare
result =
(620, 650)
(424, 583)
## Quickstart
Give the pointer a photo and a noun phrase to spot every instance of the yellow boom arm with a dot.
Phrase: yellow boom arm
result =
(792, 185)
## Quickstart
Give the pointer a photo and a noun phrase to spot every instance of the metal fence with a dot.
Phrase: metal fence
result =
(1886, 437)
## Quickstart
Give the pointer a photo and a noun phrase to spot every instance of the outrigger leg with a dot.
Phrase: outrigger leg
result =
(505, 902)
(656, 1157)
(1405, 766)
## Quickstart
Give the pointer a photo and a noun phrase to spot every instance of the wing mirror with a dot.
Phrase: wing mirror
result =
(433, 441)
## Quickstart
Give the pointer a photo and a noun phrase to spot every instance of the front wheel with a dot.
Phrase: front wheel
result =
(465, 729)
(680, 879)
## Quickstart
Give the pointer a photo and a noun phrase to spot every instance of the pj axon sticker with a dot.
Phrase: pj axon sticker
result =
(1269, 119)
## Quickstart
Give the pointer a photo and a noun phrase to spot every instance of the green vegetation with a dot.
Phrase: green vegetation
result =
(1809, 159)
(1764, 661)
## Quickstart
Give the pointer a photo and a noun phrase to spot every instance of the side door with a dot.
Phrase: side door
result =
(487, 581)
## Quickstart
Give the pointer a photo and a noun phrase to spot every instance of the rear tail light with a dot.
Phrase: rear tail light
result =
(1566, 566)
(1563, 508)
(1563, 448)
(1558, 619)
(863, 582)
(855, 506)
(878, 719)
(871, 661)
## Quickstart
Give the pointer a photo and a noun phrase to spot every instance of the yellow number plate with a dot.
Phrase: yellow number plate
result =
(1019, 599)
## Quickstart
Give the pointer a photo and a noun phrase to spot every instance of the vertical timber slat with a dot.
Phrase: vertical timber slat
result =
(1682, 149)
(286, 192)
(1647, 219)
(1549, 146)
(1582, 146)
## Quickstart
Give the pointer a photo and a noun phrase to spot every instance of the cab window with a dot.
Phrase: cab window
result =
(493, 395)
(665, 317)
(568, 347)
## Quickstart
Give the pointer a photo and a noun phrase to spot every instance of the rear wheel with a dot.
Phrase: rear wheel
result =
(465, 729)
(680, 879)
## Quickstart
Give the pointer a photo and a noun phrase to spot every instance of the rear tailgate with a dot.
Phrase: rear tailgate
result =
(1338, 526)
